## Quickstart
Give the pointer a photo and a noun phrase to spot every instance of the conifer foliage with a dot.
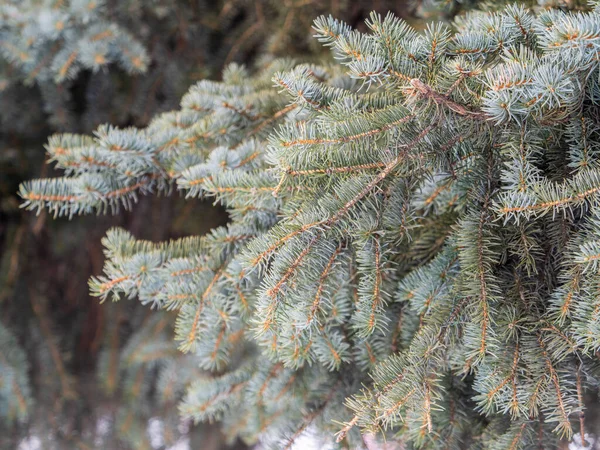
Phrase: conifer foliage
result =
(54, 40)
(414, 238)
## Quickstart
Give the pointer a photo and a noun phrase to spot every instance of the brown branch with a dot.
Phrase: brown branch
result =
(322, 278)
(349, 138)
(462, 110)
(312, 416)
(581, 406)
(192, 334)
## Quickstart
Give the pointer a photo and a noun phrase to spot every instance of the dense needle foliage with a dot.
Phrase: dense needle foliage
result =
(76, 372)
(414, 241)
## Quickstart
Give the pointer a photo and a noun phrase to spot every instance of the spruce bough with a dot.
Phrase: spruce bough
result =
(414, 239)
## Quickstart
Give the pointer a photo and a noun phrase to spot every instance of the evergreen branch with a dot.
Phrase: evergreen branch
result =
(319, 294)
(428, 92)
(353, 209)
(310, 418)
(345, 139)
(564, 425)
(581, 413)
(191, 336)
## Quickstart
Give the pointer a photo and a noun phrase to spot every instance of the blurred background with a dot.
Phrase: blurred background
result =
(75, 373)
